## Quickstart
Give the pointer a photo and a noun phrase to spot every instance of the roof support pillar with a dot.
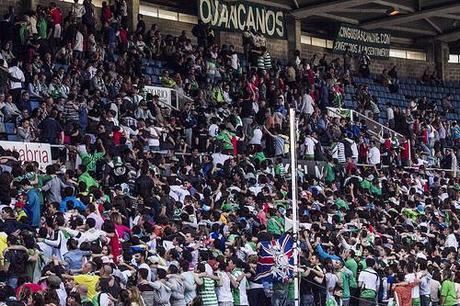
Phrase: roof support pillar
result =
(441, 58)
(294, 33)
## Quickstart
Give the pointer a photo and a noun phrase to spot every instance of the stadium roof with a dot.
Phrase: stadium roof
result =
(417, 19)
(416, 22)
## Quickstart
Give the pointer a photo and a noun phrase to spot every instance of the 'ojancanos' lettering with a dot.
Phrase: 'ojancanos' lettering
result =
(241, 12)
(241, 15)
(260, 17)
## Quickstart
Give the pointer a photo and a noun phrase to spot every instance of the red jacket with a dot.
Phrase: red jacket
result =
(405, 151)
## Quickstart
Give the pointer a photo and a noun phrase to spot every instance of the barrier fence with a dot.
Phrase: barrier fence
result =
(375, 128)
(45, 154)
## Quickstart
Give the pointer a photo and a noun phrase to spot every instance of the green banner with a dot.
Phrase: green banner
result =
(357, 40)
(239, 15)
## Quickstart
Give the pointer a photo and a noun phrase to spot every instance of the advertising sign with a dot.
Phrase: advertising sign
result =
(375, 44)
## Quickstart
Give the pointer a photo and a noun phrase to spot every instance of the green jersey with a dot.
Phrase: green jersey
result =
(352, 265)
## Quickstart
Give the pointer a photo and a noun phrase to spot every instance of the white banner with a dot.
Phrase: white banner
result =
(163, 93)
(30, 151)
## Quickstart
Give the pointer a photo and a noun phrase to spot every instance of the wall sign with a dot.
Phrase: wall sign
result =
(237, 15)
(375, 44)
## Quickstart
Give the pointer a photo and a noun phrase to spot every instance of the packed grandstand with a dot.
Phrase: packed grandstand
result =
(142, 168)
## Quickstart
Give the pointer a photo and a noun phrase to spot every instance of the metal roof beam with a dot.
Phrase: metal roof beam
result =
(401, 19)
(411, 30)
(326, 7)
(361, 10)
(450, 16)
(339, 18)
(449, 37)
(396, 5)
(433, 25)
(272, 4)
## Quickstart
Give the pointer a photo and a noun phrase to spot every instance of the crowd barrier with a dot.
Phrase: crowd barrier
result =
(169, 97)
(46, 154)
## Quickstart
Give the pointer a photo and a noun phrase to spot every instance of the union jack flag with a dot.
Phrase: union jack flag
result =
(276, 260)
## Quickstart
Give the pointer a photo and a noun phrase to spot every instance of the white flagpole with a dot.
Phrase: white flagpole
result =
(295, 228)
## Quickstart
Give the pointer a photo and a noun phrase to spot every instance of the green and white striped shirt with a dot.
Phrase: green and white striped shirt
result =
(208, 292)
(240, 296)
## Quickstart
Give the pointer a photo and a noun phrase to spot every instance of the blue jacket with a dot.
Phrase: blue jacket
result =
(323, 255)
(33, 207)
(77, 204)
(74, 258)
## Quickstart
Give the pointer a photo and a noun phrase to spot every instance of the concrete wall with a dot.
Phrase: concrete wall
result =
(406, 68)
(279, 48)
(453, 72)
(172, 27)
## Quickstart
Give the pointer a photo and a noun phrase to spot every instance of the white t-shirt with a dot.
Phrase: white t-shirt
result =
(18, 74)
(224, 291)
(390, 113)
(256, 189)
(256, 137)
(451, 241)
(307, 102)
(435, 287)
(369, 279)
(354, 149)
(219, 158)
(416, 289)
(374, 156)
(79, 10)
(331, 281)
(78, 42)
(98, 219)
(310, 146)
(154, 141)
(243, 297)
(62, 294)
(178, 193)
(213, 130)
(47, 251)
(235, 61)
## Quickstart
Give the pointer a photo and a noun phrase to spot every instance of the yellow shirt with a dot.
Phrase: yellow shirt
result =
(90, 281)
(3, 245)
(21, 214)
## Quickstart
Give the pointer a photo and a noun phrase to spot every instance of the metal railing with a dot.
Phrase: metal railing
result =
(375, 128)
(168, 97)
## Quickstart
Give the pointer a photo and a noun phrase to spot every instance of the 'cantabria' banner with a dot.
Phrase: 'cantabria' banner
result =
(237, 15)
(375, 44)
(30, 151)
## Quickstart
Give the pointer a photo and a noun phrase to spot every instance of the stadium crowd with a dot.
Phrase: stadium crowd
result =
(119, 220)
